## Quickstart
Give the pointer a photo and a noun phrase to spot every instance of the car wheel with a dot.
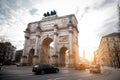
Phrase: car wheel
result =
(57, 71)
(42, 72)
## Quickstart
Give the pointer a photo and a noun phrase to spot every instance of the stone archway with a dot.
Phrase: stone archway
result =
(62, 31)
(62, 56)
(45, 51)
(30, 56)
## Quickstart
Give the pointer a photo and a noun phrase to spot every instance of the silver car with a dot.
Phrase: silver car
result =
(95, 69)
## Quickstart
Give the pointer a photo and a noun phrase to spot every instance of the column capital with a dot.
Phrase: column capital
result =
(26, 37)
(37, 35)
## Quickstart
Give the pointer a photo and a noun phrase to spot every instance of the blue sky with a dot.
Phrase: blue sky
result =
(96, 18)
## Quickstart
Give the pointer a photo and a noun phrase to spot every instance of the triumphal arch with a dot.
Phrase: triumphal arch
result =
(52, 40)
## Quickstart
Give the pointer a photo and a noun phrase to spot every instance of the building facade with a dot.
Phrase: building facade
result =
(61, 31)
(18, 55)
(108, 53)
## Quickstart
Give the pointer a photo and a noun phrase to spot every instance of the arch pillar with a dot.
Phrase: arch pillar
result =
(23, 60)
(71, 60)
(56, 56)
(36, 56)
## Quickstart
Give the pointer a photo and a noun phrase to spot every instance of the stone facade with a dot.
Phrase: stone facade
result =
(18, 56)
(108, 53)
(62, 31)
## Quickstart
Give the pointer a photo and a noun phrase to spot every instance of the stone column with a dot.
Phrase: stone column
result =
(70, 26)
(55, 43)
(24, 55)
(36, 57)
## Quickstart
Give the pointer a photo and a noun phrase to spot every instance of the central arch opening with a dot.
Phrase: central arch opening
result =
(45, 51)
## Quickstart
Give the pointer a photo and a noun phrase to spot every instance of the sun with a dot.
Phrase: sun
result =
(89, 56)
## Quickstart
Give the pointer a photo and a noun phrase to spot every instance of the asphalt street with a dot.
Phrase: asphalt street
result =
(25, 73)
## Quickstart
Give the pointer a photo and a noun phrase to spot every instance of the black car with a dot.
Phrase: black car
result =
(45, 68)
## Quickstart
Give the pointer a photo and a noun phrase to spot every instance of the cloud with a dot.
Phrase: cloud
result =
(110, 24)
(6, 9)
(33, 11)
(103, 3)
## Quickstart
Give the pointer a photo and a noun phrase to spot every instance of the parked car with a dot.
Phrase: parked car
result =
(45, 68)
(95, 69)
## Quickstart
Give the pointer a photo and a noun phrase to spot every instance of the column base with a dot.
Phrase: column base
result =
(35, 60)
(23, 61)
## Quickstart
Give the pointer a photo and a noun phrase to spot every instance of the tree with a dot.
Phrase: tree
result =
(6, 52)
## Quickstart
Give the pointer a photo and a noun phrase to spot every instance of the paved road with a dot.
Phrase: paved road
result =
(25, 73)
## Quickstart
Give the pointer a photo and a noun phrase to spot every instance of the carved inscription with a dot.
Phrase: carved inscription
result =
(48, 25)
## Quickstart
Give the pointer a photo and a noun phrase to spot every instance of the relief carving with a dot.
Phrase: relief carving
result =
(63, 38)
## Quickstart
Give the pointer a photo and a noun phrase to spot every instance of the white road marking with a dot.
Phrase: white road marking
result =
(57, 78)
